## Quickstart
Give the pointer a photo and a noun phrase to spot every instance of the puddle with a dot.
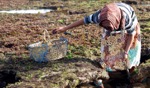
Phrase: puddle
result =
(32, 11)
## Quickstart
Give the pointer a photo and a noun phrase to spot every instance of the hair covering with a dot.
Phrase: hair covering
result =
(110, 17)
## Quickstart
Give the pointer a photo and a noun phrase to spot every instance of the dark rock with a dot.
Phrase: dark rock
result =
(8, 76)
(131, 2)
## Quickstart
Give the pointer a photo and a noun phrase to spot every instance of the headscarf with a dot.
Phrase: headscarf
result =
(110, 17)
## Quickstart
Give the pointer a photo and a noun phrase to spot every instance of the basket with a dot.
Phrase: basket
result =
(48, 50)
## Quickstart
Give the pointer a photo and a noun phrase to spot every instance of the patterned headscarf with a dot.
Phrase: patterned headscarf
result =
(110, 17)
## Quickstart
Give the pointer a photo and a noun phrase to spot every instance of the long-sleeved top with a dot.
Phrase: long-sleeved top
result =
(128, 13)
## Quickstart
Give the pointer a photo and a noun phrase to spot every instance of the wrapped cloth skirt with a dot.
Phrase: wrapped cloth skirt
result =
(112, 50)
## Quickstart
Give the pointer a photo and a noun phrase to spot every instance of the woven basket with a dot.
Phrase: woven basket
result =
(48, 50)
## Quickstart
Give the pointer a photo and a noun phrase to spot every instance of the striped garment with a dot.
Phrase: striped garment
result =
(128, 13)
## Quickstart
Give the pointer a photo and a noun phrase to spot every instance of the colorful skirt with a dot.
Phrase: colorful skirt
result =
(112, 51)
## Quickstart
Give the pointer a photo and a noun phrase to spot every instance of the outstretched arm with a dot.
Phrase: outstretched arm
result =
(93, 18)
(75, 24)
(63, 29)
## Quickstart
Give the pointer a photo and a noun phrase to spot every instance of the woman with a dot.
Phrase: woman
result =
(115, 18)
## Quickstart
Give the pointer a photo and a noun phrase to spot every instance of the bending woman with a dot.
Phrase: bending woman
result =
(115, 18)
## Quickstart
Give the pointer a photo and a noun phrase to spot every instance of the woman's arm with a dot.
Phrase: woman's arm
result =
(63, 29)
(130, 39)
(75, 24)
(93, 18)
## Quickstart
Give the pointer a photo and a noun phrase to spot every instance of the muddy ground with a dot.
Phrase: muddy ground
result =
(17, 31)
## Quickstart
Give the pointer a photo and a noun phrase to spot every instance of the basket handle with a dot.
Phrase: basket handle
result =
(46, 35)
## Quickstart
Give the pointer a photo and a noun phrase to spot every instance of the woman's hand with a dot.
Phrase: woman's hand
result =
(126, 59)
(63, 29)
(59, 30)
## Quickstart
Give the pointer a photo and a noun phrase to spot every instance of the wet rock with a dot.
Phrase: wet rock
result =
(50, 7)
(139, 85)
(141, 75)
(81, 71)
(131, 2)
(75, 12)
(8, 76)
(1, 43)
(2, 56)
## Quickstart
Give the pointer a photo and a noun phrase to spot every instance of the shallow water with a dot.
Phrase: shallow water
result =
(32, 11)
